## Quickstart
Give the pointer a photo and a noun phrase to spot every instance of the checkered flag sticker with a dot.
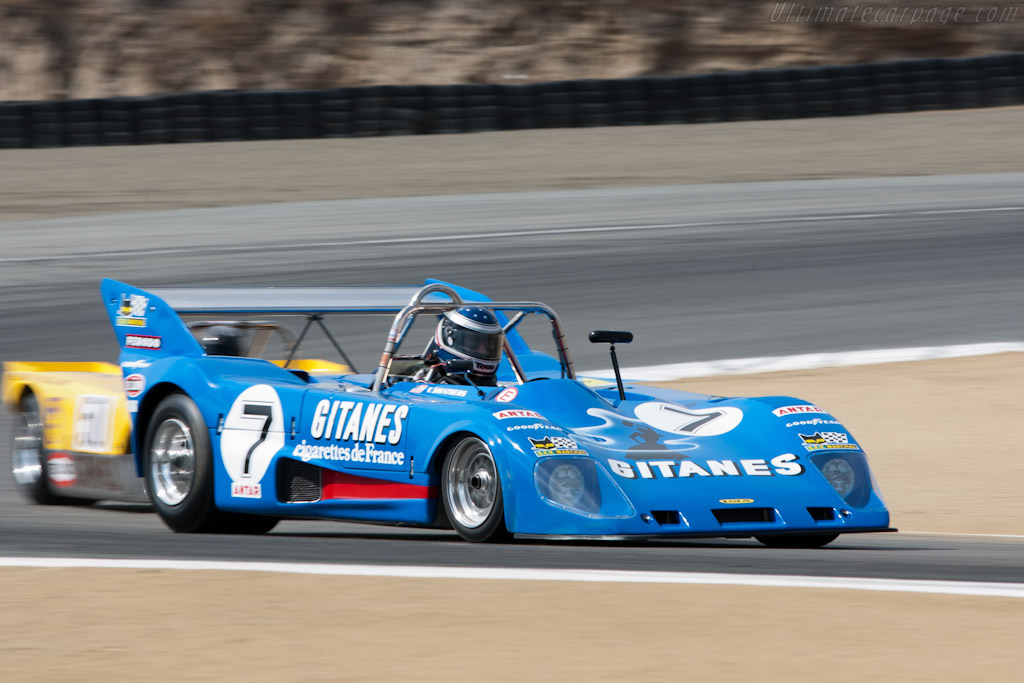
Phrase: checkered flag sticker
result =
(563, 442)
(834, 437)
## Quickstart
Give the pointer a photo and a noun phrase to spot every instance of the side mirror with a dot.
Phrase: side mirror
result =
(611, 337)
(458, 366)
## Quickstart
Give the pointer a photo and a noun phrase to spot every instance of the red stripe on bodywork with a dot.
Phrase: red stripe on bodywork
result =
(341, 485)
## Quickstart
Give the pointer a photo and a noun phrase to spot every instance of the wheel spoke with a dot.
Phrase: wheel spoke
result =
(173, 462)
(26, 450)
(472, 483)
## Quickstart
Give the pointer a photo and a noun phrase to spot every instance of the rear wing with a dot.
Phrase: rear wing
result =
(147, 323)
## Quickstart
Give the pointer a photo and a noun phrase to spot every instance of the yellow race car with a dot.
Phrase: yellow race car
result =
(70, 439)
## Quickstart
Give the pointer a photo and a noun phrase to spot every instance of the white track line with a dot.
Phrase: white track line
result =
(806, 361)
(541, 232)
(948, 533)
(972, 588)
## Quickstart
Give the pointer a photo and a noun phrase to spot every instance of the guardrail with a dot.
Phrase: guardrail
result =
(214, 116)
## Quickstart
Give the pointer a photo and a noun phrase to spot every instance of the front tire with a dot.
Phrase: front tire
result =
(797, 541)
(471, 492)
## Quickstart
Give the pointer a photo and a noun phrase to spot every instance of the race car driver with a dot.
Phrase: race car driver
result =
(470, 333)
(221, 340)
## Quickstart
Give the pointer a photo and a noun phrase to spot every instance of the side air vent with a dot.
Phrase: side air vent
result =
(822, 514)
(743, 515)
(666, 517)
(297, 482)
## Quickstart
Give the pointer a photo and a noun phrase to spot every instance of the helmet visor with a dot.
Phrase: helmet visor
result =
(472, 344)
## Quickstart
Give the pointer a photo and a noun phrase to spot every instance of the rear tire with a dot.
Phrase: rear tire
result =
(178, 464)
(797, 541)
(471, 492)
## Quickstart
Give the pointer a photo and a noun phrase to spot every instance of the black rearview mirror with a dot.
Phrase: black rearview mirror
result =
(611, 337)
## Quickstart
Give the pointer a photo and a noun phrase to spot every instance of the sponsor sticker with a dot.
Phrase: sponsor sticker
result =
(532, 425)
(812, 422)
(354, 431)
(418, 389)
(93, 429)
(447, 391)
(785, 465)
(61, 470)
(507, 395)
(366, 454)
(240, 489)
(827, 441)
(555, 445)
(512, 414)
(796, 410)
(134, 384)
(53, 423)
(142, 341)
(132, 312)
(135, 364)
(735, 501)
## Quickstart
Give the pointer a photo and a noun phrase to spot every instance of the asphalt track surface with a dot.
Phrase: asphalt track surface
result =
(697, 272)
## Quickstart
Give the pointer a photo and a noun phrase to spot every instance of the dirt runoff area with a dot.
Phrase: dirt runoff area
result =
(941, 435)
(44, 183)
(131, 625)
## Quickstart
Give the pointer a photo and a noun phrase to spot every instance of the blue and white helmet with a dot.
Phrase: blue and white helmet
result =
(471, 333)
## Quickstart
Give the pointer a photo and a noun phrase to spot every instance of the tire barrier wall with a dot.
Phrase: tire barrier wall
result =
(903, 86)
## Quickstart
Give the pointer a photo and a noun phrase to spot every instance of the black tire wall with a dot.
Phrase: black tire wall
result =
(222, 116)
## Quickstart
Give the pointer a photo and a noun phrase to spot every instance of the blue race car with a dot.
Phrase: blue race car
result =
(504, 440)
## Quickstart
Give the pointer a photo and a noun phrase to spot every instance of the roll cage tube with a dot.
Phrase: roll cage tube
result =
(263, 328)
(416, 306)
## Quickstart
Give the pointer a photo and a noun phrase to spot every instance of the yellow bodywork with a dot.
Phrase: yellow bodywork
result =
(82, 405)
(315, 366)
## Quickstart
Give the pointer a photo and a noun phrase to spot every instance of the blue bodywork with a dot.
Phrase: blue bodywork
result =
(659, 463)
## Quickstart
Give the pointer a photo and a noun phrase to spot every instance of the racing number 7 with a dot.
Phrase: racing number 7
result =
(256, 410)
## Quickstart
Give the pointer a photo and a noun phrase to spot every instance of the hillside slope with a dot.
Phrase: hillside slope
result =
(54, 49)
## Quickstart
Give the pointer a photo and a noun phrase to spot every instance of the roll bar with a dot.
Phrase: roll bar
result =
(416, 306)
